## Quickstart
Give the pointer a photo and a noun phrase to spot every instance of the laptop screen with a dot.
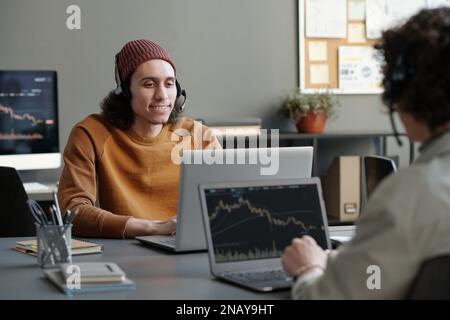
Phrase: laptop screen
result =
(249, 223)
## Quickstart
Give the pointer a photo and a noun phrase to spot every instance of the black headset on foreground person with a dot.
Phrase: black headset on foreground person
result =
(180, 101)
(400, 77)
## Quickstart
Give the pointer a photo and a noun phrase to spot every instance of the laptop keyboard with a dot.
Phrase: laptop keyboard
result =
(259, 276)
(168, 241)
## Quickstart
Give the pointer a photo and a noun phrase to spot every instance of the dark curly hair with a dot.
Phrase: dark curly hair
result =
(116, 109)
(417, 66)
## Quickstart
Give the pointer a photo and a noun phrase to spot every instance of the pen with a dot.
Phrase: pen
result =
(53, 214)
(67, 217)
(58, 210)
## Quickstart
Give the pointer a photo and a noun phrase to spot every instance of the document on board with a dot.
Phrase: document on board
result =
(317, 51)
(319, 74)
(356, 10)
(359, 68)
(438, 3)
(375, 12)
(398, 11)
(385, 14)
(326, 18)
(356, 33)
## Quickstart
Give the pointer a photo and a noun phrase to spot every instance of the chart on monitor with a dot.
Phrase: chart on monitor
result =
(29, 120)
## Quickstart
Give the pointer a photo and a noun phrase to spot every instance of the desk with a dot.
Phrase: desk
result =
(157, 274)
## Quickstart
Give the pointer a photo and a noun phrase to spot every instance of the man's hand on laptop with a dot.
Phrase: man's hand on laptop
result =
(142, 227)
(302, 256)
(163, 227)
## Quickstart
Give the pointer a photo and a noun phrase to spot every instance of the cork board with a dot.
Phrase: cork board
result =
(311, 83)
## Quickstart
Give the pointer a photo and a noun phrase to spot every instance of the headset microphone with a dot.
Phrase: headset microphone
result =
(394, 127)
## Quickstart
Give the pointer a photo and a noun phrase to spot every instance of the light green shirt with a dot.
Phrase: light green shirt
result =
(407, 221)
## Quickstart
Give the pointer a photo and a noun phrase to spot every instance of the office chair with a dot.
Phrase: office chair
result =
(432, 280)
(15, 217)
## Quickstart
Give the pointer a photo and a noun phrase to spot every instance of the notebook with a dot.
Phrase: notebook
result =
(78, 247)
(95, 271)
(293, 162)
(94, 277)
(249, 224)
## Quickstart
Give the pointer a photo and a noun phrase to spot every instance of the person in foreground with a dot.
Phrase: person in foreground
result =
(407, 219)
(126, 158)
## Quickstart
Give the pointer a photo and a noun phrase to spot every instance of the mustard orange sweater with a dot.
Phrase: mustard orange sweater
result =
(111, 175)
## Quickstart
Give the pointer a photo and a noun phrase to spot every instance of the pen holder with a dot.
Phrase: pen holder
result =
(54, 245)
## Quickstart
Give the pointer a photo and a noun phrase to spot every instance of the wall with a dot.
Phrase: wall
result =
(236, 58)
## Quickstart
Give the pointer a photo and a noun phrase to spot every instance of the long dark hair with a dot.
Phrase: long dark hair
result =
(116, 109)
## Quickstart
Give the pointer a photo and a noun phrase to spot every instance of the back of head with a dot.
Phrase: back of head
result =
(417, 66)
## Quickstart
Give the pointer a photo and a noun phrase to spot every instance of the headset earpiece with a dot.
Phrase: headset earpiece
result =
(122, 88)
(177, 84)
(180, 102)
(125, 88)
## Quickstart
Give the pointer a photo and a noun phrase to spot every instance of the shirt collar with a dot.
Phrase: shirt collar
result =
(435, 147)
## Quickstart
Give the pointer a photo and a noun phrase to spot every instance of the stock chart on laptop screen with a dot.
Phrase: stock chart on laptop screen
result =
(249, 223)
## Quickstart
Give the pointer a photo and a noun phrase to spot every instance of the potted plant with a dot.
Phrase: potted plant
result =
(309, 111)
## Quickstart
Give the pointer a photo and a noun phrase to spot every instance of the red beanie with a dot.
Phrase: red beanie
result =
(137, 52)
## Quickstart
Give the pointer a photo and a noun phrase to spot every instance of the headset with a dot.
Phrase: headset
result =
(401, 75)
(123, 89)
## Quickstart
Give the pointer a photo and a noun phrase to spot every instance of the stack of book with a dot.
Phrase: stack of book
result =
(89, 277)
(78, 247)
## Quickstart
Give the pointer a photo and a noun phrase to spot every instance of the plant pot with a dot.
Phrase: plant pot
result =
(311, 123)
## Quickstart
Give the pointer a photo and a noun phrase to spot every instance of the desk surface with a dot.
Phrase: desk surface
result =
(156, 273)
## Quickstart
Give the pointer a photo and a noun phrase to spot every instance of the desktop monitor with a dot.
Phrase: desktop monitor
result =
(29, 120)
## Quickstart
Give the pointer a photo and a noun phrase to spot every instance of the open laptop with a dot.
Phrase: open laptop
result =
(293, 162)
(249, 224)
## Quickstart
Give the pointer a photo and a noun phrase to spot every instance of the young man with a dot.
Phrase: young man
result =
(123, 158)
(408, 217)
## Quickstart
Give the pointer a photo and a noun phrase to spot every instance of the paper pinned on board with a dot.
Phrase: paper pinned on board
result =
(319, 74)
(356, 33)
(359, 69)
(375, 11)
(317, 51)
(356, 10)
(438, 3)
(326, 18)
(385, 14)
(399, 11)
